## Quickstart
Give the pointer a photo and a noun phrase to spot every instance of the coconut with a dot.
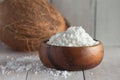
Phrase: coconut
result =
(24, 24)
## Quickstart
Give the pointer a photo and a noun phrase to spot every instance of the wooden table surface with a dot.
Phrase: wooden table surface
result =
(109, 69)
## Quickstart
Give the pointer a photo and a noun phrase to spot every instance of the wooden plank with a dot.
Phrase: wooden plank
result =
(78, 12)
(53, 75)
(7, 58)
(108, 22)
(109, 69)
(13, 76)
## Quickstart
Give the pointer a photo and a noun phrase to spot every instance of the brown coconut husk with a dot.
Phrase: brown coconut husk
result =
(24, 24)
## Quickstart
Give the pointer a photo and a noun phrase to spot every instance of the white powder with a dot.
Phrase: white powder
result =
(29, 63)
(74, 36)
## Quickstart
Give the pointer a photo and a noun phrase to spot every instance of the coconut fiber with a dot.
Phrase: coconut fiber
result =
(24, 24)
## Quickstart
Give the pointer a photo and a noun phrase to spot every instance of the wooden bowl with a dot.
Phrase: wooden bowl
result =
(71, 58)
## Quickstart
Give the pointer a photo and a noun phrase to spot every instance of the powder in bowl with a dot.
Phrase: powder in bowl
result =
(74, 36)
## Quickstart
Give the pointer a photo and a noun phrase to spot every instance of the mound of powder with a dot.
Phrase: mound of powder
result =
(74, 36)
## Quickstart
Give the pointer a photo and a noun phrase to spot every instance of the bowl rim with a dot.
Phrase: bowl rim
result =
(100, 43)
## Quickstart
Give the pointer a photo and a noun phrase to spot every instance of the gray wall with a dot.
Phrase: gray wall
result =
(81, 12)
(108, 22)
(78, 12)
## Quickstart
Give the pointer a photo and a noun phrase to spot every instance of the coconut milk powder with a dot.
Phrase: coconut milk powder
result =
(74, 36)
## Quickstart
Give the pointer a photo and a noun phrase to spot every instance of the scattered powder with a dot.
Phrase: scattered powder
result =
(74, 36)
(29, 63)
